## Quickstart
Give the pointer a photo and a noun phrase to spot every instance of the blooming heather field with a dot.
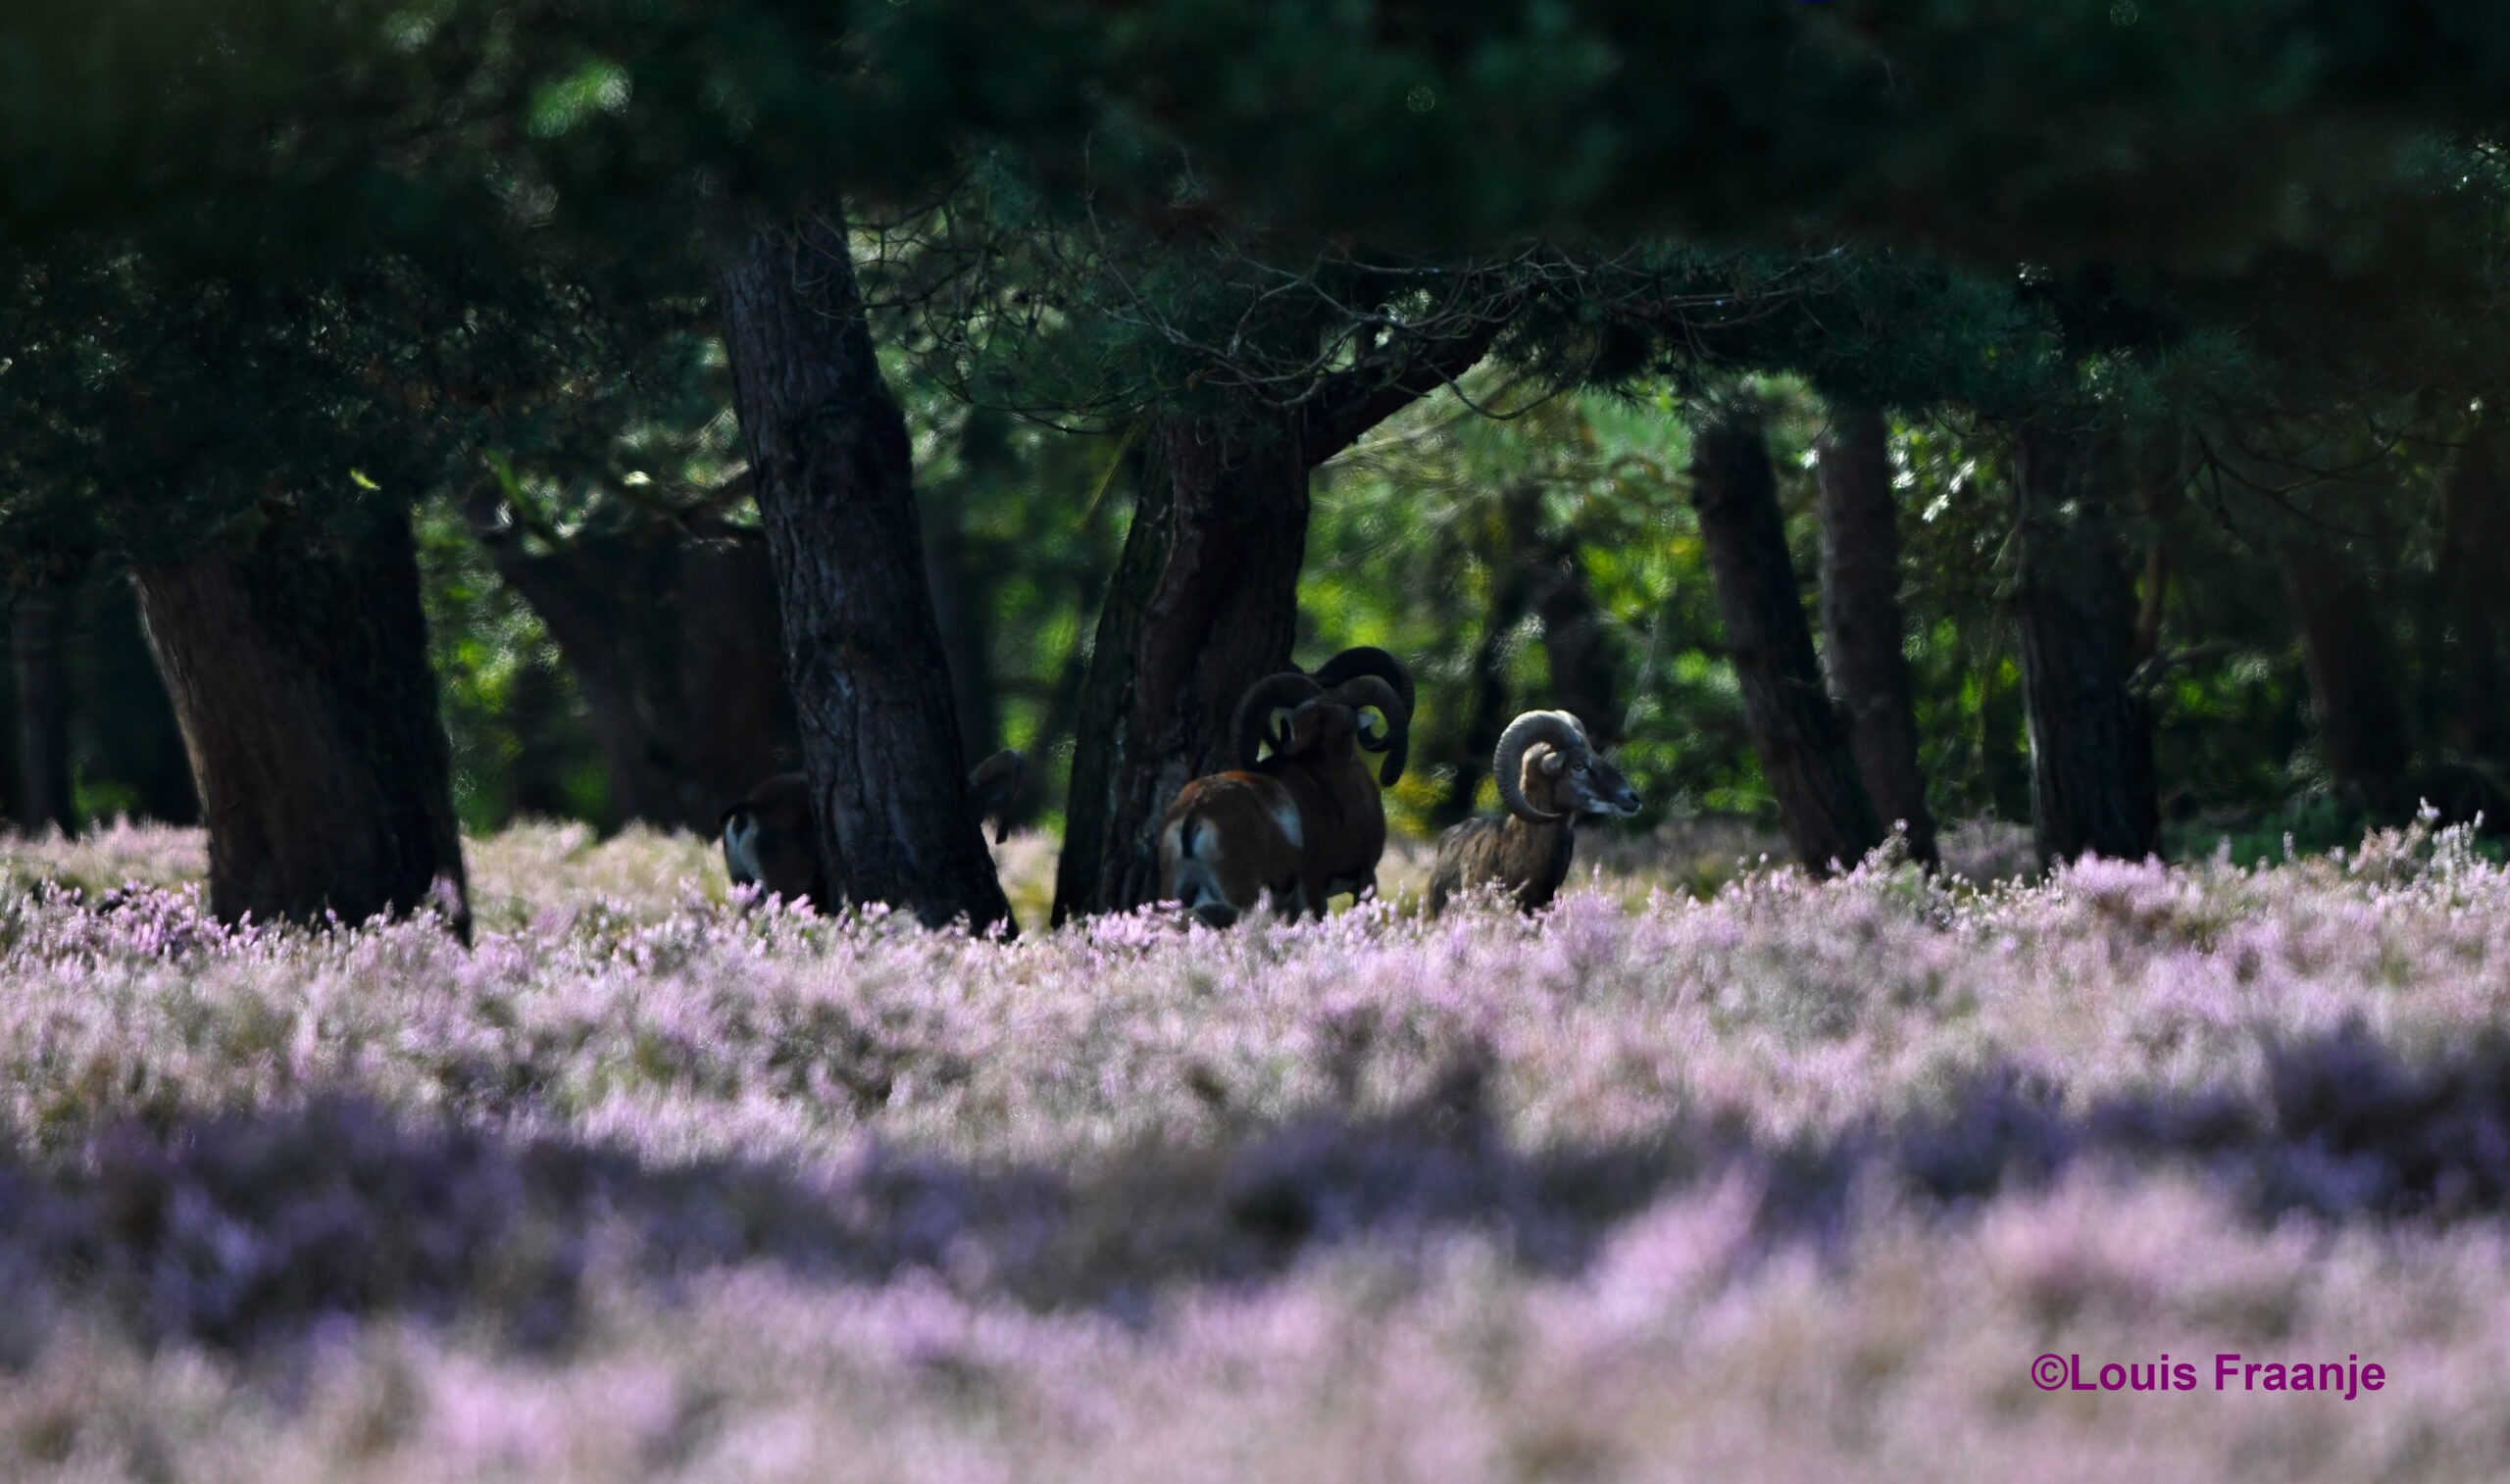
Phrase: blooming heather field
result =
(1791, 1183)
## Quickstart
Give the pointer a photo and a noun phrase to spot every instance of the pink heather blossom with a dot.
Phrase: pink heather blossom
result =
(1791, 1182)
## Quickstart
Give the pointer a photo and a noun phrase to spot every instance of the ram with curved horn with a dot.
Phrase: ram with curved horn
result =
(1353, 868)
(1345, 844)
(1368, 660)
(770, 841)
(1549, 776)
(1298, 825)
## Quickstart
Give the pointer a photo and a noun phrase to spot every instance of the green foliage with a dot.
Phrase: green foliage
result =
(1421, 532)
(1039, 516)
(522, 742)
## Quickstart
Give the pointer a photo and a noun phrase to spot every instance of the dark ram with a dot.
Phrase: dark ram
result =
(1549, 776)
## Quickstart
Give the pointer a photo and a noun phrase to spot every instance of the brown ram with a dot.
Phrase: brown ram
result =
(1300, 825)
(1549, 777)
(1349, 854)
(770, 842)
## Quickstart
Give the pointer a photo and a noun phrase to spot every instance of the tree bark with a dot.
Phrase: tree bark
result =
(2092, 765)
(1861, 629)
(673, 636)
(43, 714)
(828, 455)
(1803, 749)
(1205, 602)
(299, 673)
(2354, 693)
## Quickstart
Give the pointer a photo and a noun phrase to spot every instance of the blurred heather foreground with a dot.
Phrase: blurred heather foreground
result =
(1788, 1182)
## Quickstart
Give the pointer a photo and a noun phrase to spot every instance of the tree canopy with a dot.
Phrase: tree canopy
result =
(2201, 300)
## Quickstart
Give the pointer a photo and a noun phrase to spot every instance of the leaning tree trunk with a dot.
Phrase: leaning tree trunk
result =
(43, 725)
(2353, 692)
(671, 636)
(1803, 749)
(828, 455)
(2091, 756)
(1204, 604)
(299, 673)
(1861, 624)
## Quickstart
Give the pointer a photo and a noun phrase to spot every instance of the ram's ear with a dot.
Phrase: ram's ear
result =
(1554, 763)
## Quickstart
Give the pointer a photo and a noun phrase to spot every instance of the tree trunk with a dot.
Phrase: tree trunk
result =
(1861, 623)
(1577, 640)
(119, 716)
(1205, 602)
(830, 459)
(962, 589)
(299, 673)
(673, 638)
(2353, 692)
(1488, 714)
(2092, 763)
(1803, 749)
(43, 714)
(2475, 592)
(2161, 484)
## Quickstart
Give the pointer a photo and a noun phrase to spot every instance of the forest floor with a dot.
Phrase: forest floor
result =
(1788, 1181)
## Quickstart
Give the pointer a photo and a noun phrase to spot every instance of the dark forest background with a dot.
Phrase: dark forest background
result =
(1548, 557)
(2079, 415)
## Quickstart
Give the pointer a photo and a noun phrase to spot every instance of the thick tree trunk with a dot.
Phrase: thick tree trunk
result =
(300, 675)
(2353, 691)
(1205, 602)
(673, 638)
(830, 459)
(43, 714)
(2092, 765)
(1803, 749)
(1861, 624)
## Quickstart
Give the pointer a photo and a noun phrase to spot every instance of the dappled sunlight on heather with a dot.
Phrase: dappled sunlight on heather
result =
(1788, 1181)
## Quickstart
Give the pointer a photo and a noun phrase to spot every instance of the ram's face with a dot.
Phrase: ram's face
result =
(740, 845)
(1320, 730)
(768, 840)
(1595, 787)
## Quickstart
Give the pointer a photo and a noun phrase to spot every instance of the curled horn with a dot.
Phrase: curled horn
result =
(1368, 660)
(1508, 760)
(1373, 690)
(1254, 724)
